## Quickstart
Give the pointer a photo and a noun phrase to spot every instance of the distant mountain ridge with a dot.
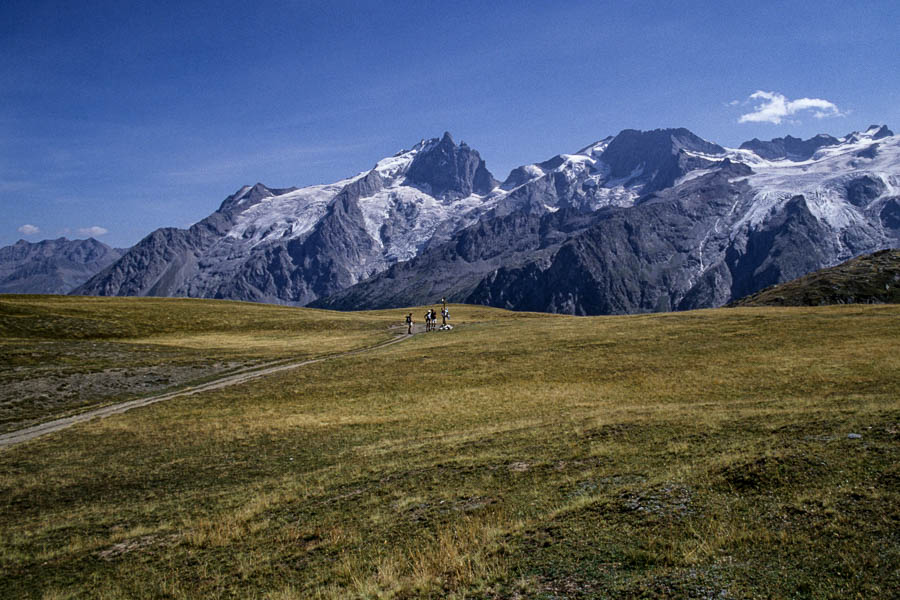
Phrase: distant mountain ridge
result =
(640, 221)
(796, 149)
(52, 266)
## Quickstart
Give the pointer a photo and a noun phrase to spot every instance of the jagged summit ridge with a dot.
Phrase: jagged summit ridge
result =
(664, 217)
(52, 266)
(730, 223)
(291, 245)
(249, 195)
(788, 147)
(798, 150)
(446, 167)
(614, 171)
(633, 152)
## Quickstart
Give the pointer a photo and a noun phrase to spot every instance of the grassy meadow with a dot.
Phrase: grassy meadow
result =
(705, 454)
(62, 355)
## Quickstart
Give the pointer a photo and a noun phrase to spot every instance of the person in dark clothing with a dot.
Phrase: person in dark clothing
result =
(409, 323)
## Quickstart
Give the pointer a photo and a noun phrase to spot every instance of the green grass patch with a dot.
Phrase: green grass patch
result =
(65, 354)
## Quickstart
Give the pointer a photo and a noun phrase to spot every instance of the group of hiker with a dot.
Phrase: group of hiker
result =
(431, 319)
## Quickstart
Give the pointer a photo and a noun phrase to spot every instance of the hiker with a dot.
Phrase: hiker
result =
(428, 320)
(445, 314)
(409, 324)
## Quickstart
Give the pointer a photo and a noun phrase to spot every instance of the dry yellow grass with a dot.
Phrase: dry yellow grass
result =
(684, 455)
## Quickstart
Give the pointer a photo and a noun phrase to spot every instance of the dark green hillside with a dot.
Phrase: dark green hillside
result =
(869, 279)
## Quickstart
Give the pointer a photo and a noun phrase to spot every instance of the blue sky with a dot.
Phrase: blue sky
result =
(127, 116)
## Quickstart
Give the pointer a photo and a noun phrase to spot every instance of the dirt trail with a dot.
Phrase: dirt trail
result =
(29, 433)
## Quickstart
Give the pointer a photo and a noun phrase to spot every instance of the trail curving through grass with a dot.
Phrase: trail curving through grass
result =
(29, 433)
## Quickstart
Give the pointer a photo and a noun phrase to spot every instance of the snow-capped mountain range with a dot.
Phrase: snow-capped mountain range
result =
(404, 212)
(661, 220)
(294, 245)
(432, 220)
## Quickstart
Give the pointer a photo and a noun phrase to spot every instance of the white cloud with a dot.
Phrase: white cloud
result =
(774, 108)
(27, 229)
(93, 231)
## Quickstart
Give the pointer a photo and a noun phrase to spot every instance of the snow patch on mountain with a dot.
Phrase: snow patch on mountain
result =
(823, 180)
(396, 166)
(403, 219)
(691, 175)
(286, 216)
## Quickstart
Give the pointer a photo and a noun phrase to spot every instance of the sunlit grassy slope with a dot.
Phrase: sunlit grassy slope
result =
(692, 455)
(76, 352)
(868, 279)
(213, 324)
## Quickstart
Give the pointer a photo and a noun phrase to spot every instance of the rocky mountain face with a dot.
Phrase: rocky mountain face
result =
(52, 266)
(454, 269)
(291, 246)
(659, 157)
(789, 148)
(448, 168)
(640, 221)
(731, 222)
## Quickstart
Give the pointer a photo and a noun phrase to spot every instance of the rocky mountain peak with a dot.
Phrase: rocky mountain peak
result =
(656, 158)
(878, 132)
(450, 168)
(633, 153)
(52, 266)
(249, 195)
(874, 132)
(789, 147)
